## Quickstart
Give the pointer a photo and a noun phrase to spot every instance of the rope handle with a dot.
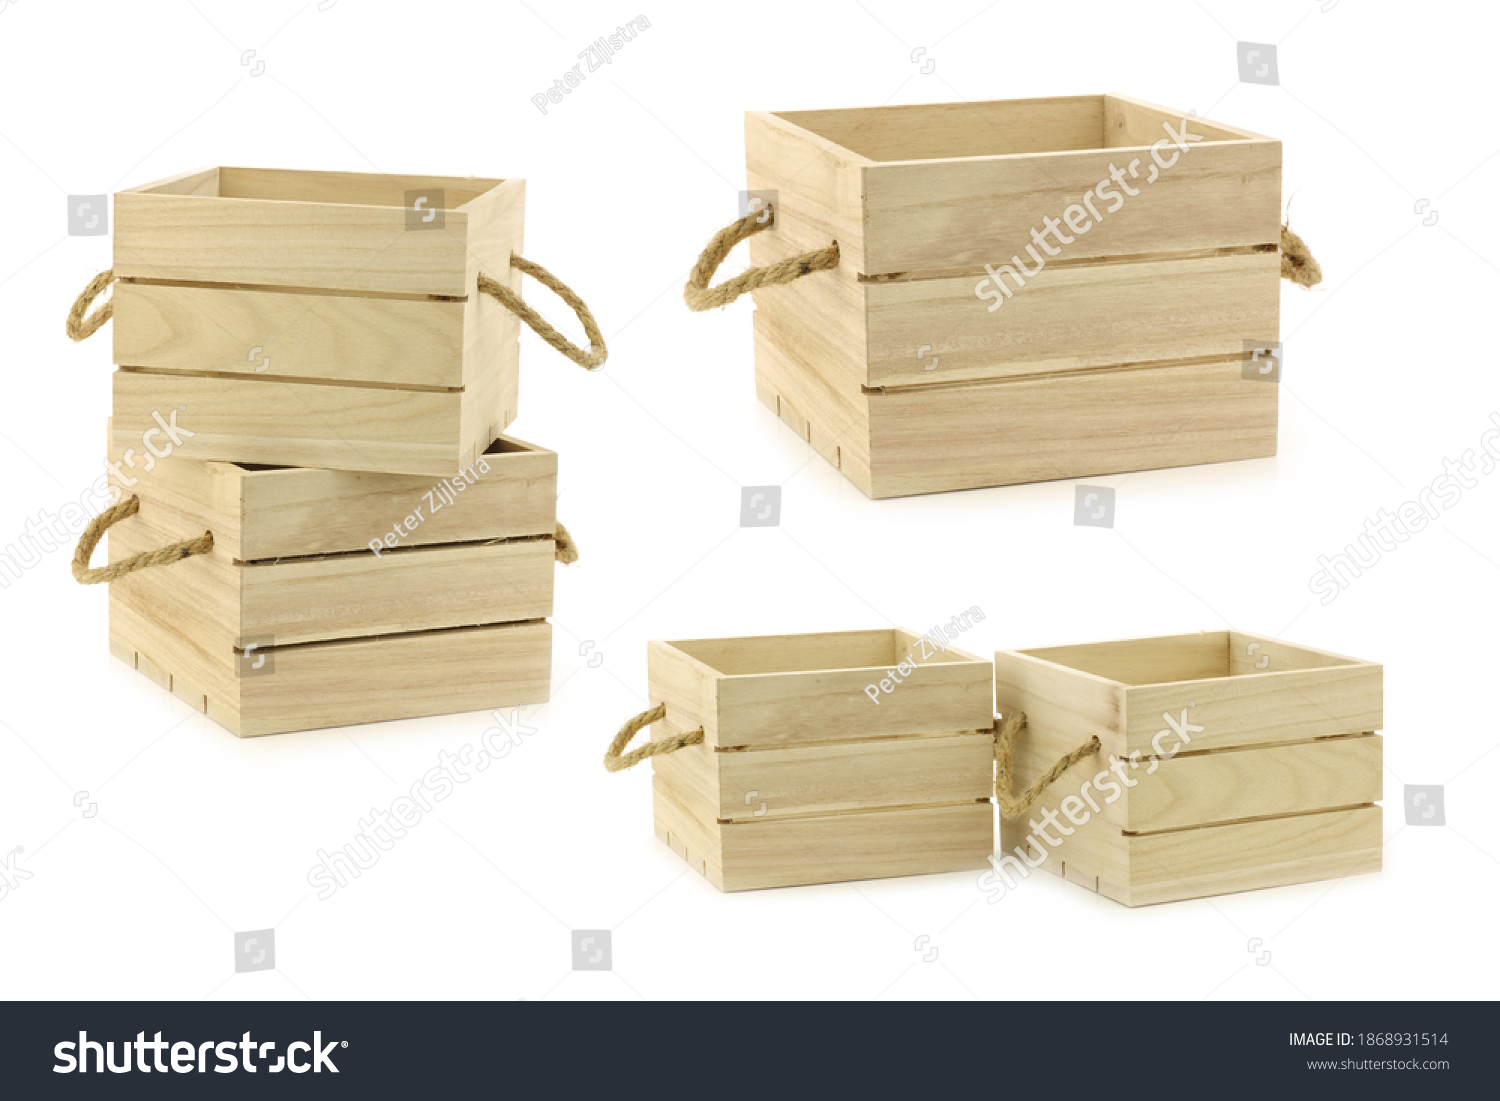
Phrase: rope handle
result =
(617, 760)
(1297, 262)
(699, 296)
(590, 360)
(564, 549)
(82, 325)
(163, 556)
(1013, 806)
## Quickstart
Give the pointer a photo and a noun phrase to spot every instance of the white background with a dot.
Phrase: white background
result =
(1390, 368)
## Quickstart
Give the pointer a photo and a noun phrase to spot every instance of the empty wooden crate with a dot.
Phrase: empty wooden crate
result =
(1024, 290)
(803, 777)
(1228, 762)
(334, 597)
(319, 319)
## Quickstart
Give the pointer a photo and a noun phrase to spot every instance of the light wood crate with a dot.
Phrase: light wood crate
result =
(1125, 353)
(1279, 786)
(802, 778)
(297, 320)
(453, 618)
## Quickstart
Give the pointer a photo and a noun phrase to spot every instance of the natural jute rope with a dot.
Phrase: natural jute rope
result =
(615, 757)
(81, 327)
(1297, 263)
(165, 556)
(589, 360)
(700, 296)
(566, 551)
(1013, 806)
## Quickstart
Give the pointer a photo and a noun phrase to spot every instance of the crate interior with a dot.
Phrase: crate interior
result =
(948, 131)
(502, 445)
(1174, 658)
(342, 188)
(812, 653)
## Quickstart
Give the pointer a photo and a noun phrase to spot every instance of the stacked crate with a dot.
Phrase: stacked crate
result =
(309, 374)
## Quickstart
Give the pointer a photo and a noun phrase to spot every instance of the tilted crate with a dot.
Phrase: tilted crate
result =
(918, 364)
(802, 777)
(315, 319)
(292, 620)
(1256, 764)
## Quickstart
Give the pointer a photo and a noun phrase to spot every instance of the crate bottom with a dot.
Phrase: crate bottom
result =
(1203, 861)
(327, 684)
(936, 439)
(833, 848)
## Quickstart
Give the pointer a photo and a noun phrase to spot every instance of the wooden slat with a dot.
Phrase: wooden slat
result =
(1133, 122)
(784, 852)
(300, 511)
(359, 595)
(1064, 318)
(399, 342)
(933, 439)
(377, 680)
(1146, 660)
(924, 770)
(941, 131)
(1249, 856)
(287, 244)
(1255, 783)
(344, 188)
(1194, 789)
(1256, 709)
(1249, 653)
(943, 215)
(256, 420)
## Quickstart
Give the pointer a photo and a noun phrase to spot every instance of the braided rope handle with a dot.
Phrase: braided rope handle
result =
(617, 760)
(590, 360)
(1013, 806)
(699, 296)
(81, 325)
(163, 556)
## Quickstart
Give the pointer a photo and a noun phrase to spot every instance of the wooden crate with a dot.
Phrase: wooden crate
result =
(1125, 352)
(452, 617)
(802, 778)
(1256, 764)
(296, 319)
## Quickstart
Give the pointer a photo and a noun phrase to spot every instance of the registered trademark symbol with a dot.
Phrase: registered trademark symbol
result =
(344, 1044)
